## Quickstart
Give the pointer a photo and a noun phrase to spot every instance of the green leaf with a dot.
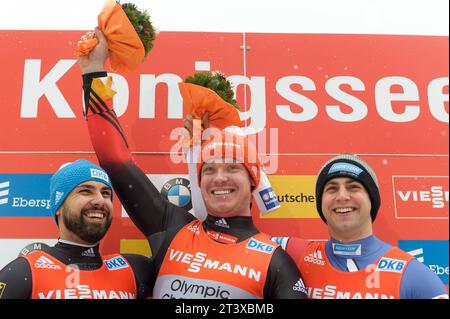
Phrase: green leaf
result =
(217, 82)
(141, 23)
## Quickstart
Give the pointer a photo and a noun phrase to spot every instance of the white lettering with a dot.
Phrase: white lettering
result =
(173, 254)
(437, 99)
(404, 196)
(310, 109)
(331, 292)
(187, 258)
(333, 88)
(34, 89)
(23, 202)
(436, 195)
(241, 270)
(113, 295)
(253, 274)
(384, 99)
(211, 264)
(200, 261)
(49, 295)
(85, 292)
(100, 294)
(256, 113)
(424, 196)
(225, 266)
(147, 98)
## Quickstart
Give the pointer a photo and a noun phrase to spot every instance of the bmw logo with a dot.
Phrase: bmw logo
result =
(178, 192)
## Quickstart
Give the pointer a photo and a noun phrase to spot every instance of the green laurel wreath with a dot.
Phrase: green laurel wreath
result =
(141, 23)
(217, 82)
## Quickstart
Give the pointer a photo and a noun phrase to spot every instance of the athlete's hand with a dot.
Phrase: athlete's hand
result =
(95, 60)
(188, 124)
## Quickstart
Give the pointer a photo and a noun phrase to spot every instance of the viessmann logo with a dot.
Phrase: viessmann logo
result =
(421, 196)
(201, 261)
(86, 292)
(24, 194)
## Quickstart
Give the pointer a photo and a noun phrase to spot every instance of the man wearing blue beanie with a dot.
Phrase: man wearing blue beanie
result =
(81, 203)
(84, 177)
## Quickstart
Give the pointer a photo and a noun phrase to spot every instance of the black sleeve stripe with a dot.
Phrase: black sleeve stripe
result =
(103, 104)
(89, 107)
(106, 117)
(113, 116)
(94, 104)
(101, 110)
(88, 77)
(110, 114)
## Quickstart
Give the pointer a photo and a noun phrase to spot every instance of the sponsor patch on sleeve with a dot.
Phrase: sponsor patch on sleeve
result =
(257, 245)
(116, 263)
(391, 265)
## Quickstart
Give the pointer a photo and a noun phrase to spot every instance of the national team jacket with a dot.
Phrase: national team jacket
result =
(52, 279)
(196, 266)
(380, 280)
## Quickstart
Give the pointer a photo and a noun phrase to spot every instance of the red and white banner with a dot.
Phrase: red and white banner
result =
(385, 97)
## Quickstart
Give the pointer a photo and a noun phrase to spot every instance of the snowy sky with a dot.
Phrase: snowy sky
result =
(420, 17)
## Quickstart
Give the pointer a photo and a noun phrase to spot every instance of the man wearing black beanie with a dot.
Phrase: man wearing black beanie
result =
(354, 263)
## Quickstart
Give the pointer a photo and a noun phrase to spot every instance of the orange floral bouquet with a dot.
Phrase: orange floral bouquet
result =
(128, 31)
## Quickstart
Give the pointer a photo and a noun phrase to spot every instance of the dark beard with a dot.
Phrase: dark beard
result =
(90, 233)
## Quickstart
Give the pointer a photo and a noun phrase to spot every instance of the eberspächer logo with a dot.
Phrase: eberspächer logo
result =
(24, 194)
(433, 253)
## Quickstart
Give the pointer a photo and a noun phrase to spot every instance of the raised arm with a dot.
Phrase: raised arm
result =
(149, 211)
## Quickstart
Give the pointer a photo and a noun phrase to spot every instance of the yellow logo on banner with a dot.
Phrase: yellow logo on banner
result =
(135, 246)
(296, 194)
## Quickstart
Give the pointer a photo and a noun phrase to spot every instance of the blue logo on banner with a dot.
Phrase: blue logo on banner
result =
(433, 253)
(25, 194)
(345, 167)
(269, 198)
(178, 192)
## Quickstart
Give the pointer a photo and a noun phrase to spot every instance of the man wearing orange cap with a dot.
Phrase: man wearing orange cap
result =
(224, 256)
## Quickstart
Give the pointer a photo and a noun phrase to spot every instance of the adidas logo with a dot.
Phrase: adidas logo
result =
(4, 192)
(300, 286)
(315, 258)
(222, 223)
(88, 253)
(58, 196)
(44, 262)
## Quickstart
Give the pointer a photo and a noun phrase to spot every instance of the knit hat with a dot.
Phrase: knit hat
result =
(231, 147)
(69, 176)
(348, 165)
